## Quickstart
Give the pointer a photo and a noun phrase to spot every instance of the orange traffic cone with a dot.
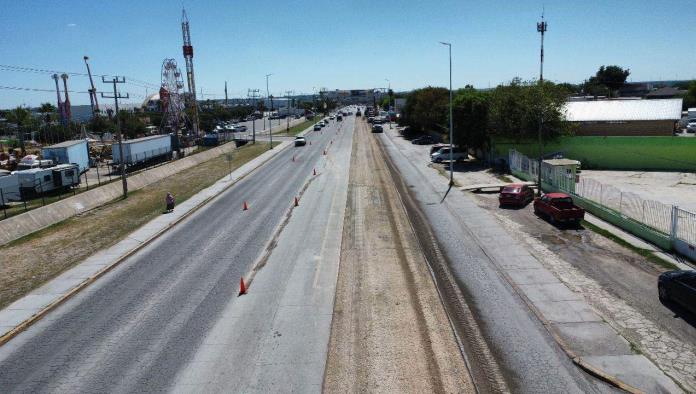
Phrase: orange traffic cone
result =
(297, 202)
(245, 207)
(242, 288)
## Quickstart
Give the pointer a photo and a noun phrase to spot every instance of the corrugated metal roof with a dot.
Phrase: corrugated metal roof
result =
(65, 144)
(623, 110)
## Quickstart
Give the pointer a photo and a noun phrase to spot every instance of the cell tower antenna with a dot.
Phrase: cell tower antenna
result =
(188, 56)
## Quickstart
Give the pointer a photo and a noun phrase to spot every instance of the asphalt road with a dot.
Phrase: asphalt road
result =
(527, 355)
(136, 328)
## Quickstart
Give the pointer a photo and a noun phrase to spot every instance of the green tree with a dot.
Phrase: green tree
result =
(516, 109)
(20, 116)
(690, 97)
(471, 118)
(613, 77)
(426, 109)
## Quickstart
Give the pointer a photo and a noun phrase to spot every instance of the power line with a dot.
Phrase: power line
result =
(133, 81)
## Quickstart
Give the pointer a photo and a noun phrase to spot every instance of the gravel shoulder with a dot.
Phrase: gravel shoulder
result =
(390, 332)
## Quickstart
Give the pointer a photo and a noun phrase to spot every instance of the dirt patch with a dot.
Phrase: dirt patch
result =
(390, 332)
(31, 261)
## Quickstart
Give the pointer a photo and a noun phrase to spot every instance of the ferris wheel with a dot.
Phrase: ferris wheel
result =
(172, 97)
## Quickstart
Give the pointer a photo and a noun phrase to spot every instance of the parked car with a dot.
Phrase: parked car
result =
(317, 127)
(678, 287)
(300, 141)
(424, 140)
(240, 128)
(339, 118)
(558, 208)
(516, 194)
(377, 128)
(443, 154)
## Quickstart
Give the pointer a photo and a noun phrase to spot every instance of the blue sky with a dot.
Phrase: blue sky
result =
(348, 44)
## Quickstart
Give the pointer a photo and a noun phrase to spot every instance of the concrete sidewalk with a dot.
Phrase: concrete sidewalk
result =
(22, 313)
(580, 331)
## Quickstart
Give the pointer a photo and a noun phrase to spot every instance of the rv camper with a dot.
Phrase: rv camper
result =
(36, 181)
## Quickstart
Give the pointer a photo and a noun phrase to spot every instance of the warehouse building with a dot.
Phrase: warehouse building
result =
(624, 117)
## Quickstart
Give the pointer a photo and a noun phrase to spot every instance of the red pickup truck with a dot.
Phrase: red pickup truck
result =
(558, 208)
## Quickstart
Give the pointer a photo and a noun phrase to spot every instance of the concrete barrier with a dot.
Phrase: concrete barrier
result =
(26, 223)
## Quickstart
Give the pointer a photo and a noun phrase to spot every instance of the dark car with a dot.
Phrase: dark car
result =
(370, 119)
(516, 194)
(678, 287)
(377, 128)
(424, 140)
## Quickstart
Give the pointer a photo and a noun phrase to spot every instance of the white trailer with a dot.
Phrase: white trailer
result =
(143, 149)
(9, 188)
(37, 181)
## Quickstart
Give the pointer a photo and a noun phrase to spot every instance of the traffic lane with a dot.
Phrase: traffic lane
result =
(520, 343)
(134, 328)
(276, 336)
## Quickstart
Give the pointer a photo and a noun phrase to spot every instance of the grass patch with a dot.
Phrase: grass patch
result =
(647, 253)
(33, 260)
(297, 129)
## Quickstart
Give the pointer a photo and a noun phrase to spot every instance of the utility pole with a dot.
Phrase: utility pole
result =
(451, 123)
(541, 28)
(253, 94)
(270, 127)
(287, 104)
(225, 93)
(116, 96)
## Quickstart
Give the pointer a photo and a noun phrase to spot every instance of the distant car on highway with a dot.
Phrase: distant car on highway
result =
(240, 128)
(423, 140)
(300, 141)
(377, 128)
(317, 127)
(370, 119)
(443, 154)
(558, 208)
(678, 287)
(331, 117)
(516, 194)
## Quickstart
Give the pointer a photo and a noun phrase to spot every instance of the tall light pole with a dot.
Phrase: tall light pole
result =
(388, 100)
(451, 124)
(270, 128)
(541, 28)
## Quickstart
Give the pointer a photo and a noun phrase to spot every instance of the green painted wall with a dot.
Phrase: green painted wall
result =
(616, 153)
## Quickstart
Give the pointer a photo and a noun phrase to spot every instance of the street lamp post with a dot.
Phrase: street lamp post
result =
(270, 127)
(451, 123)
(388, 100)
(541, 28)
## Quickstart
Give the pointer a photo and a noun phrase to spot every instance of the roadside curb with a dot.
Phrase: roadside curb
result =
(577, 360)
(6, 337)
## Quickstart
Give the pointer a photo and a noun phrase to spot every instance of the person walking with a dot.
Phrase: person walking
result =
(170, 202)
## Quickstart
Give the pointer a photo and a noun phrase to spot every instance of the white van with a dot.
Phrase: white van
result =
(444, 155)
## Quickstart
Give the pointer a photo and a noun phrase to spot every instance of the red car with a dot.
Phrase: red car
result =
(558, 208)
(516, 194)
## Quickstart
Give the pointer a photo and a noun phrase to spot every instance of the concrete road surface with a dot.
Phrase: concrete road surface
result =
(529, 358)
(145, 325)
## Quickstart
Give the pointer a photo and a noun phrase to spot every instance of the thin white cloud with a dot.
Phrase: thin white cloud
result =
(72, 24)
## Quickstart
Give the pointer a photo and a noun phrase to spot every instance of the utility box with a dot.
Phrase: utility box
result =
(69, 152)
